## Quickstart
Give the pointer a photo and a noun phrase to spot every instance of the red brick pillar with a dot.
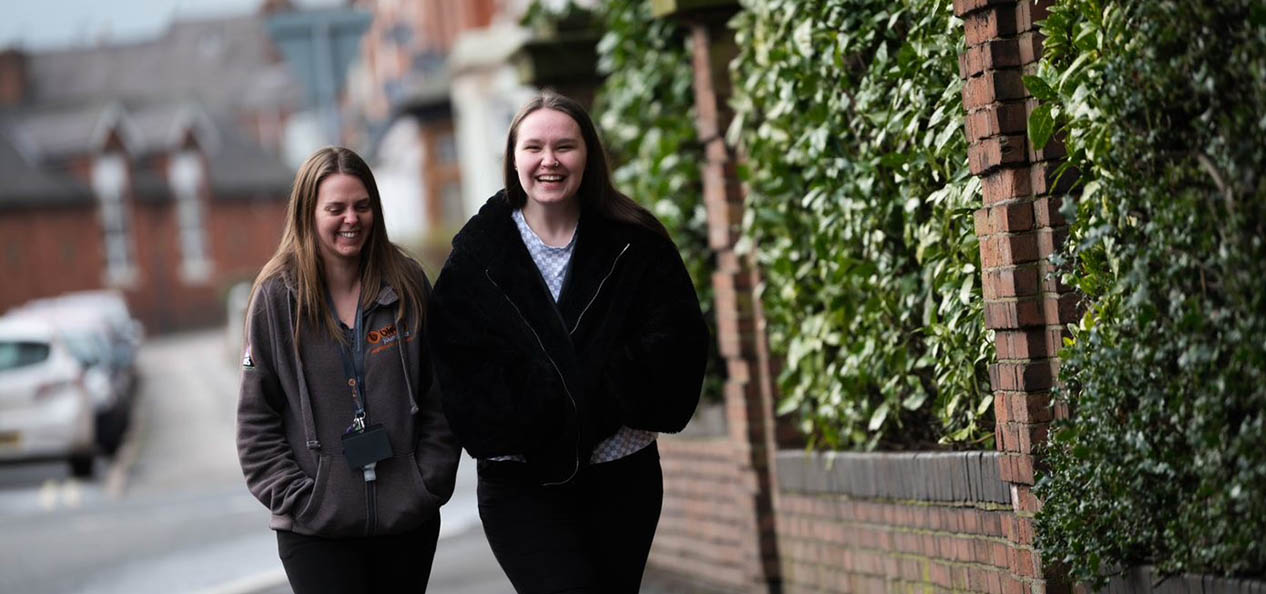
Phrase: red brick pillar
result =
(1019, 228)
(749, 398)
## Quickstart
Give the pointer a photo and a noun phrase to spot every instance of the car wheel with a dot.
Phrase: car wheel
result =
(82, 465)
(111, 427)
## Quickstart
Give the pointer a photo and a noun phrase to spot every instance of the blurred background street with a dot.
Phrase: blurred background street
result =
(171, 512)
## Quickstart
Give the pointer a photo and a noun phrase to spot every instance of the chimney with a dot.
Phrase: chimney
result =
(271, 7)
(13, 78)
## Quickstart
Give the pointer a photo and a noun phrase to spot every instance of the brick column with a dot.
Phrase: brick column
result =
(749, 398)
(1019, 229)
(740, 320)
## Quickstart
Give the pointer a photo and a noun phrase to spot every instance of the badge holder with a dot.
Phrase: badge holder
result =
(366, 447)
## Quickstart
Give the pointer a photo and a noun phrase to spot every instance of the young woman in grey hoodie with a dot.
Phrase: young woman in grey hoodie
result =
(339, 433)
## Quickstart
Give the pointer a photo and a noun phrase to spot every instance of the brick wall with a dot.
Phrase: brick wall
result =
(743, 516)
(1019, 229)
(46, 251)
(908, 522)
(241, 235)
(703, 529)
(752, 561)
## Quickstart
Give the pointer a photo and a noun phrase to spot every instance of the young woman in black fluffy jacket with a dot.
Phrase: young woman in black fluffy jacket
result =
(566, 334)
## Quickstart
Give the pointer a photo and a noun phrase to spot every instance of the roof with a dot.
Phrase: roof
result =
(19, 326)
(240, 167)
(199, 76)
(47, 134)
(225, 63)
(27, 185)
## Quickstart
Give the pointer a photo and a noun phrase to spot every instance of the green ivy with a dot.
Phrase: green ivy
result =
(1163, 108)
(860, 212)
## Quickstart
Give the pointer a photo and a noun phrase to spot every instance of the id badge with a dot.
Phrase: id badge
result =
(366, 447)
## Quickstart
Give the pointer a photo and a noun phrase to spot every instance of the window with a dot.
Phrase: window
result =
(20, 354)
(451, 201)
(185, 174)
(109, 174)
(446, 148)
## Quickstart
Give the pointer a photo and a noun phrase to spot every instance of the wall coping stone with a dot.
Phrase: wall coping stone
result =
(707, 422)
(1144, 580)
(967, 477)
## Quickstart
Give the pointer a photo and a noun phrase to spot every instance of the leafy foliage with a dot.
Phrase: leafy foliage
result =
(1163, 107)
(860, 213)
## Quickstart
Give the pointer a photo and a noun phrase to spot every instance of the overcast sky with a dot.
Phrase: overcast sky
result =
(49, 24)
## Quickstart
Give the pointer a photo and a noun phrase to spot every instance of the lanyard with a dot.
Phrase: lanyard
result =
(354, 368)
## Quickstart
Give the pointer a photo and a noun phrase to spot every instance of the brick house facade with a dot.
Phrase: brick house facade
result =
(151, 168)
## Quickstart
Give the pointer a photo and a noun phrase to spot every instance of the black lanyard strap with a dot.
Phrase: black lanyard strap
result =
(354, 367)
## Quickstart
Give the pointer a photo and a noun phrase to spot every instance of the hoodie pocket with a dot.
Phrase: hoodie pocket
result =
(404, 502)
(337, 505)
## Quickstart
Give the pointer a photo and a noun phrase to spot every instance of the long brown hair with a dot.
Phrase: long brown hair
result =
(596, 191)
(382, 263)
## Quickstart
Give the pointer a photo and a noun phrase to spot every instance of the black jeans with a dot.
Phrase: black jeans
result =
(590, 536)
(394, 563)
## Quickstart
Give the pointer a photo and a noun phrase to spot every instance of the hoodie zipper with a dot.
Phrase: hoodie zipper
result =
(570, 398)
(599, 291)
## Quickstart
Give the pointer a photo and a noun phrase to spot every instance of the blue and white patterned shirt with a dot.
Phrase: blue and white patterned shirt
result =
(553, 263)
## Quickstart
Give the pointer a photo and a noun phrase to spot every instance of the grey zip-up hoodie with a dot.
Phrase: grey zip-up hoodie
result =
(295, 405)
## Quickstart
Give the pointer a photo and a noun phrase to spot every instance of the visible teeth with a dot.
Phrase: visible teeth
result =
(550, 178)
(349, 234)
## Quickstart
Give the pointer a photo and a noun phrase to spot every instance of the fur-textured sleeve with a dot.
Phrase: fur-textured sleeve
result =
(658, 360)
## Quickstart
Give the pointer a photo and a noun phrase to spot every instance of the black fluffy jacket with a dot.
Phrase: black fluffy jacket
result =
(625, 344)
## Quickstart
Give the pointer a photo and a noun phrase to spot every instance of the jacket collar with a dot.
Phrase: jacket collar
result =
(494, 243)
(386, 295)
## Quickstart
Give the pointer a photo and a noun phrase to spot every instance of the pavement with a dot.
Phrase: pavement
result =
(464, 563)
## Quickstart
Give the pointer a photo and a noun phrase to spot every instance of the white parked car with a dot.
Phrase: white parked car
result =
(99, 331)
(46, 411)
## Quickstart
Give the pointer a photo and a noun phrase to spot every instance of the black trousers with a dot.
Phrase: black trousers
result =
(394, 563)
(590, 536)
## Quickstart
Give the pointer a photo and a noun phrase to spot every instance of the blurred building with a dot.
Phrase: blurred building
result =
(486, 91)
(149, 167)
(432, 97)
(397, 109)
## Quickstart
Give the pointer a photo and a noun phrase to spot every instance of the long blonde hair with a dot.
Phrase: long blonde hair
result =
(297, 259)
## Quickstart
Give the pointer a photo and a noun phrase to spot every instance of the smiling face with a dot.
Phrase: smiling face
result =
(343, 218)
(550, 156)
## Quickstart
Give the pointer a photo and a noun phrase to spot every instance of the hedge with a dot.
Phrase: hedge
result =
(850, 118)
(1162, 105)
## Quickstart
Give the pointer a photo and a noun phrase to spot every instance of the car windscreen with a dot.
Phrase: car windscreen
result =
(87, 347)
(14, 354)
